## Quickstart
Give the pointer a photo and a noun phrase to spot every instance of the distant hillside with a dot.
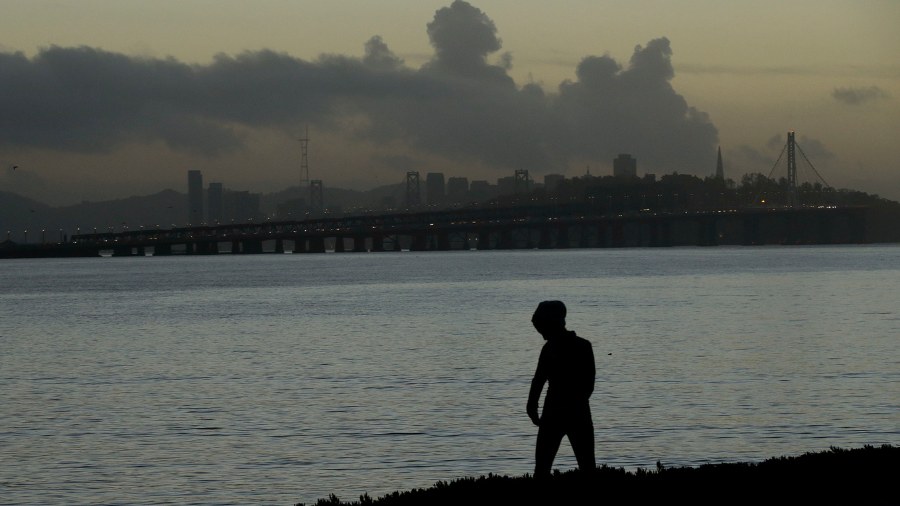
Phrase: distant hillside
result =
(346, 200)
(163, 209)
(18, 214)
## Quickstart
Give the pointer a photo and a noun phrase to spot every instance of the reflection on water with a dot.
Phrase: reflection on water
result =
(283, 378)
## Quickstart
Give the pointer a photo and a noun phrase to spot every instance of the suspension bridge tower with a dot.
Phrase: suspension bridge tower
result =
(314, 186)
(791, 170)
(791, 148)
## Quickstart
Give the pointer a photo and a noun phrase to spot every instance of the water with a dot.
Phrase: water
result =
(282, 378)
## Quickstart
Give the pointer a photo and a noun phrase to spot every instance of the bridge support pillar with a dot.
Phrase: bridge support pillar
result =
(205, 248)
(279, 246)
(661, 234)
(562, 237)
(602, 240)
(339, 244)
(545, 238)
(618, 235)
(316, 245)
(359, 244)
(378, 242)
(750, 226)
(707, 232)
(251, 246)
(584, 238)
(856, 223)
(443, 241)
(299, 245)
(484, 240)
(792, 232)
(162, 250)
(468, 243)
(505, 241)
(419, 242)
(235, 247)
(122, 251)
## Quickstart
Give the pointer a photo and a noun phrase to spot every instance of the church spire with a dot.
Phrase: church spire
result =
(720, 168)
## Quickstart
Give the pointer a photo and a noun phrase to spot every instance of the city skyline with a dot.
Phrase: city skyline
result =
(475, 90)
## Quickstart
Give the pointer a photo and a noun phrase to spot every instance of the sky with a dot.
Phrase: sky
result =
(112, 98)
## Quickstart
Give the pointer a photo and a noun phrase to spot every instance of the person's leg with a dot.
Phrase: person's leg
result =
(548, 439)
(581, 436)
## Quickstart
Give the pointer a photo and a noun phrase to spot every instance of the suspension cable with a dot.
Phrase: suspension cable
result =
(783, 149)
(812, 166)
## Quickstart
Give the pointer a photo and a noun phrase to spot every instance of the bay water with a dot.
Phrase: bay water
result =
(275, 379)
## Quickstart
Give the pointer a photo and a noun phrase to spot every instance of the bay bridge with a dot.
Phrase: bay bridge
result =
(521, 227)
(579, 224)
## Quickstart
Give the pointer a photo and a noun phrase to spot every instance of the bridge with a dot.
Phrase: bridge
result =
(518, 227)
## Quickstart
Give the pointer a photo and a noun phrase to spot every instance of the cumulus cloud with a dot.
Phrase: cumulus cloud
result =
(858, 96)
(458, 105)
(611, 109)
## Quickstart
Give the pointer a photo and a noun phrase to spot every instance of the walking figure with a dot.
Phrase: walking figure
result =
(567, 364)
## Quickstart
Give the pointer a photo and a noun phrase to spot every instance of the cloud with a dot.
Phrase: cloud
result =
(858, 96)
(458, 105)
(614, 109)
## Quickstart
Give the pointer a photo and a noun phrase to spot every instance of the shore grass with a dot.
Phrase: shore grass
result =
(867, 475)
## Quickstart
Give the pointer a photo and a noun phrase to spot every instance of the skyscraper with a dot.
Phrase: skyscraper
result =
(215, 212)
(624, 166)
(434, 188)
(457, 189)
(195, 197)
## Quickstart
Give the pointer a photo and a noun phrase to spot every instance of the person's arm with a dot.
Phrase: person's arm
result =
(592, 368)
(534, 395)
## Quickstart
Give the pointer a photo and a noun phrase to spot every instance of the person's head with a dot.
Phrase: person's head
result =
(549, 318)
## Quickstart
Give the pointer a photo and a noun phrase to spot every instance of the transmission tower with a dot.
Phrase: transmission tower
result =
(304, 159)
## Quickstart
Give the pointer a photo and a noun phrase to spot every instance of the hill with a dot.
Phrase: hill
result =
(859, 476)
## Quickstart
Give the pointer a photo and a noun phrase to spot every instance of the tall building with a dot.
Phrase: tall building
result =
(458, 190)
(215, 205)
(506, 185)
(720, 168)
(624, 166)
(434, 188)
(481, 190)
(242, 206)
(552, 181)
(195, 197)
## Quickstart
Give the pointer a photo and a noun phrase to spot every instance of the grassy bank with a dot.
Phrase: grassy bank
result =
(868, 475)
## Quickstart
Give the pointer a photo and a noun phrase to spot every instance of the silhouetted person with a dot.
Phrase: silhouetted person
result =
(567, 364)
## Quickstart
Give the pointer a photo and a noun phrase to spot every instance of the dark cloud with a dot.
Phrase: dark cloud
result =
(379, 56)
(398, 163)
(462, 37)
(611, 109)
(457, 106)
(857, 96)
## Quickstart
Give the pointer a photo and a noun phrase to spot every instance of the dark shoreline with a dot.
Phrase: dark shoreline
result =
(866, 475)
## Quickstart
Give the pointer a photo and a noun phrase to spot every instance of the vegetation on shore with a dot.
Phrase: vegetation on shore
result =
(837, 476)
